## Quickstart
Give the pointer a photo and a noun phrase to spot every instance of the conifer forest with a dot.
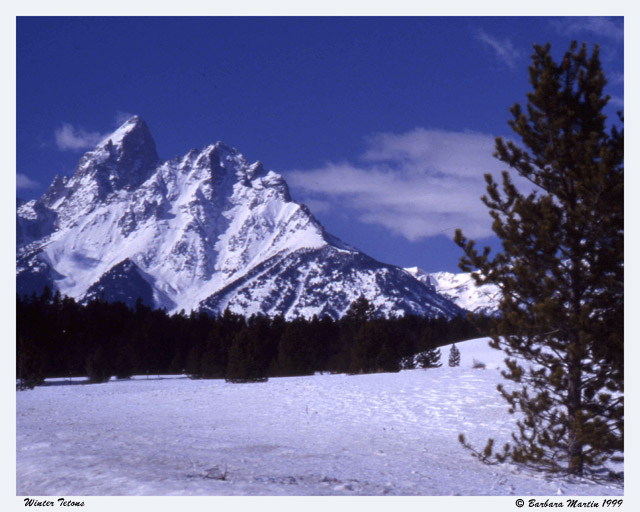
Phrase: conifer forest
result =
(58, 337)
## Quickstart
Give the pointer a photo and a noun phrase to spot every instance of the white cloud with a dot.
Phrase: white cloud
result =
(122, 117)
(70, 138)
(73, 139)
(24, 182)
(417, 184)
(317, 205)
(615, 78)
(503, 49)
(616, 101)
(600, 26)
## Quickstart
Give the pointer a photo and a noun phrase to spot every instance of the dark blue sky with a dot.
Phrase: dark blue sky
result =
(383, 126)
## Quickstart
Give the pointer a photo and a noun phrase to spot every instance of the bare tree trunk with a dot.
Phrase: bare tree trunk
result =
(574, 404)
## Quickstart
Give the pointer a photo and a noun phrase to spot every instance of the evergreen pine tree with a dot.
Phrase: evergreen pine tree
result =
(454, 356)
(246, 359)
(98, 367)
(374, 349)
(213, 359)
(30, 364)
(360, 311)
(124, 364)
(296, 353)
(560, 269)
(429, 359)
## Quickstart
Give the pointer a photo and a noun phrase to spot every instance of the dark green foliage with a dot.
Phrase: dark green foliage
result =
(31, 357)
(454, 356)
(429, 359)
(360, 311)
(30, 364)
(561, 269)
(98, 367)
(246, 358)
(124, 364)
(210, 341)
(58, 338)
(373, 349)
(297, 355)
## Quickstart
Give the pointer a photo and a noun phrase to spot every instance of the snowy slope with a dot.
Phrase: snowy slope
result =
(378, 434)
(461, 289)
(203, 231)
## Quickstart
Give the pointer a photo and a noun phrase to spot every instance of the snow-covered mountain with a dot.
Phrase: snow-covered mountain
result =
(461, 289)
(205, 231)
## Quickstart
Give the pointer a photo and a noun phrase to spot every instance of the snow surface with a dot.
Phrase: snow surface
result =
(461, 289)
(207, 231)
(378, 434)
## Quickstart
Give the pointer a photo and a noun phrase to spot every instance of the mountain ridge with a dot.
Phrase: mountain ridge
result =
(204, 231)
(461, 289)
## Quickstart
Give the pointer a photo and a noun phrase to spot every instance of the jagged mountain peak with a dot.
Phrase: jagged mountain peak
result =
(55, 190)
(205, 231)
(226, 163)
(121, 160)
(131, 125)
(131, 141)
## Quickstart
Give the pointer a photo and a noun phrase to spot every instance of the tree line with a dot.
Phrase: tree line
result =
(58, 337)
(560, 271)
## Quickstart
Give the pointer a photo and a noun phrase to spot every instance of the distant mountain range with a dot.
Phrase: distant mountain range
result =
(206, 231)
(461, 290)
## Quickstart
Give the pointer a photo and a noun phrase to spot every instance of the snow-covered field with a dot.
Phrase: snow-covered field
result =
(382, 434)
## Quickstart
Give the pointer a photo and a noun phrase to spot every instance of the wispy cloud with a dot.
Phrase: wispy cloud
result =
(23, 182)
(122, 117)
(616, 101)
(417, 184)
(616, 78)
(72, 138)
(504, 49)
(318, 205)
(610, 28)
(69, 138)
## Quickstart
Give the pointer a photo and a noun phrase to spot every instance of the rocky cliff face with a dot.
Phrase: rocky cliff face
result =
(462, 290)
(205, 231)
